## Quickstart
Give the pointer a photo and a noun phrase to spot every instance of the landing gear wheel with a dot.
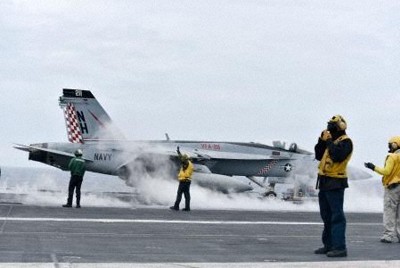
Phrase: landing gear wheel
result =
(270, 195)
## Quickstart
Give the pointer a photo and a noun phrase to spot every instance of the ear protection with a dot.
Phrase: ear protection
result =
(339, 121)
(394, 143)
(394, 146)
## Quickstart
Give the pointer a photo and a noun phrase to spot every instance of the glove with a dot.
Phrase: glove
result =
(326, 135)
(369, 165)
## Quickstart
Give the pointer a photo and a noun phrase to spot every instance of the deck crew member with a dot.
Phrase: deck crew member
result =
(185, 178)
(391, 184)
(77, 168)
(333, 150)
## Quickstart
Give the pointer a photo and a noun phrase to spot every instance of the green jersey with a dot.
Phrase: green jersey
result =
(77, 166)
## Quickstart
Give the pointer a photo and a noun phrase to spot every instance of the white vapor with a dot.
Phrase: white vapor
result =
(48, 187)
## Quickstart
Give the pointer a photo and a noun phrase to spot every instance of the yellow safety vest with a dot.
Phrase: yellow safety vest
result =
(391, 171)
(187, 173)
(334, 169)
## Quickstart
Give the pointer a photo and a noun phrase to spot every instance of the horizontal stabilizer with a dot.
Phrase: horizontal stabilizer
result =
(31, 148)
(22, 147)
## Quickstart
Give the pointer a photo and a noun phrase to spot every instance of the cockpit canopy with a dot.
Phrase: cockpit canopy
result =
(291, 147)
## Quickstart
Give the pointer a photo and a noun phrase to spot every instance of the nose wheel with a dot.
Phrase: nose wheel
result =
(269, 189)
(270, 195)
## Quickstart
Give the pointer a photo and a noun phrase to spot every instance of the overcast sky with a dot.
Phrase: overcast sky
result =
(203, 70)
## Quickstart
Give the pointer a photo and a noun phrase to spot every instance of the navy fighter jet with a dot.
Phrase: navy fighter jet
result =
(107, 151)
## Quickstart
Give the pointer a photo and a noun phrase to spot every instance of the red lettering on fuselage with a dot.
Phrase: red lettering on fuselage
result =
(211, 146)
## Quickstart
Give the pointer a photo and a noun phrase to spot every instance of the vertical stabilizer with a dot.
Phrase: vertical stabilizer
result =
(85, 118)
(71, 121)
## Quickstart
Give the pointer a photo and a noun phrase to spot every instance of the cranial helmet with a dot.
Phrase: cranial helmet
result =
(394, 142)
(339, 121)
(78, 152)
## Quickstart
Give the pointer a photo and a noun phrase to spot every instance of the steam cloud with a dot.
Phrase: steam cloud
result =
(48, 187)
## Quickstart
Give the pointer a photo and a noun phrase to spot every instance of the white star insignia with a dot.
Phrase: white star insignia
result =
(287, 167)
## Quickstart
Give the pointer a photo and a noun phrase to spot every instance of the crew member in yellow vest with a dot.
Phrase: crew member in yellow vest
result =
(185, 178)
(391, 199)
(333, 150)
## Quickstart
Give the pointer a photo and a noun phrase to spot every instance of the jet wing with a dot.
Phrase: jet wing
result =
(30, 148)
(201, 154)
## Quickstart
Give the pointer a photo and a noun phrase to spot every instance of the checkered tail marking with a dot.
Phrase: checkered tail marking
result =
(72, 123)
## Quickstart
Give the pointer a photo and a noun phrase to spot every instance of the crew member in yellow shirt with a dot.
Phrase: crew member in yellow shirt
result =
(391, 199)
(185, 178)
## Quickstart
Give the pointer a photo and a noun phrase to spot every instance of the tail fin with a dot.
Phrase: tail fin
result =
(85, 118)
(71, 120)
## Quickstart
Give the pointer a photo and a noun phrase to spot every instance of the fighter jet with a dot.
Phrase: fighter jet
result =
(216, 163)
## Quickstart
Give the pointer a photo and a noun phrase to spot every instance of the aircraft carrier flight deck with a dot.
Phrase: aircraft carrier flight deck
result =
(153, 237)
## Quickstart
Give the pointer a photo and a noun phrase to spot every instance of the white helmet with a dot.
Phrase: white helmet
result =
(78, 152)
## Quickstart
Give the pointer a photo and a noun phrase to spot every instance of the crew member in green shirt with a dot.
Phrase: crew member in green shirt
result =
(77, 168)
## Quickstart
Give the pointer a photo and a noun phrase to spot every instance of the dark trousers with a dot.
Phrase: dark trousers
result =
(184, 188)
(331, 210)
(75, 184)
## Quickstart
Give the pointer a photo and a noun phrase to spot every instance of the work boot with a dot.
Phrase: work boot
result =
(337, 253)
(386, 240)
(78, 206)
(67, 205)
(174, 208)
(186, 209)
(322, 250)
